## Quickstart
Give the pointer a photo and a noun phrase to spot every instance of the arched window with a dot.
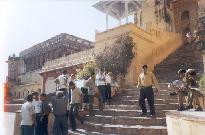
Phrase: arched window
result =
(185, 16)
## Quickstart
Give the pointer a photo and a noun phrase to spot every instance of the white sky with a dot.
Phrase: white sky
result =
(29, 22)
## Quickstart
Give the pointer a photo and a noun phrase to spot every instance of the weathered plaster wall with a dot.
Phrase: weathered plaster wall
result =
(152, 46)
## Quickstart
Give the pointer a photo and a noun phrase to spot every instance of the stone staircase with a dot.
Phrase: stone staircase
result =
(121, 116)
(187, 56)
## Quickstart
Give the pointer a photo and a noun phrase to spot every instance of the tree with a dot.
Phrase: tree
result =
(86, 71)
(117, 57)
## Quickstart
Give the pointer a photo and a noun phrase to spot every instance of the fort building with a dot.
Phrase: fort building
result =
(158, 31)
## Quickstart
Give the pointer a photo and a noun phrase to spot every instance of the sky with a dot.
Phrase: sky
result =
(28, 22)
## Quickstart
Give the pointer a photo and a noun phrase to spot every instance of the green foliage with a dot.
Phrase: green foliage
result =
(86, 71)
(117, 57)
(202, 84)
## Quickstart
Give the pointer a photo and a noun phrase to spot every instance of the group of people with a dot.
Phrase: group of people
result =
(67, 100)
(34, 114)
(187, 86)
(66, 103)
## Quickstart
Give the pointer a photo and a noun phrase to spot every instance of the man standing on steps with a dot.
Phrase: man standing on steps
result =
(145, 82)
(100, 82)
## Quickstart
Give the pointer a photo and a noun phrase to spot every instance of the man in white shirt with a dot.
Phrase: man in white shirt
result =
(108, 81)
(76, 100)
(28, 117)
(100, 82)
(37, 103)
(62, 81)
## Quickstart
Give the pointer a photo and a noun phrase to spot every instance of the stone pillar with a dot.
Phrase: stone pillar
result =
(42, 60)
(37, 62)
(32, 63)
(45, 77)
(126, 11)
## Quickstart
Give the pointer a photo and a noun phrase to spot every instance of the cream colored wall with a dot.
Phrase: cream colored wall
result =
(50, 85)
(24, 90)
(152, 46)
(31, 77)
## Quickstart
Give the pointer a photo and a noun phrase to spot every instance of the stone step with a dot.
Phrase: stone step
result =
(85, 132)
(124, 129)
(135, 102)
(137, 107)
(161, 85)
(131, 113)
(126, 120)
(133, 97)
(137, 92)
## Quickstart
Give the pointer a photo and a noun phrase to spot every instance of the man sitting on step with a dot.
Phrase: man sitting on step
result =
(180, 87)
(145, 82)
(194, 93)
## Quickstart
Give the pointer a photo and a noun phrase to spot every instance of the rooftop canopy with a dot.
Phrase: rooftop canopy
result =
(118, 9)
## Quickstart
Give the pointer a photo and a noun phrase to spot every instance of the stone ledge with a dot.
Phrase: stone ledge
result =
(187, 115)
(185, 123)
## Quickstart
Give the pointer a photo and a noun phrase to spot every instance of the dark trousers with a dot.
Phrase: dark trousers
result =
(60, 126)
(44, 125)
(102, 93)
(74, 113)
(108, 91)
(26, 130)
(147, 93)
(37, 127)
(91, 101)
(64, 90)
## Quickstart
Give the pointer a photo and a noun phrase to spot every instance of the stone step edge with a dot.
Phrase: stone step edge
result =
(125, 117)
(136, 110)
(80, 131)
(124, 126)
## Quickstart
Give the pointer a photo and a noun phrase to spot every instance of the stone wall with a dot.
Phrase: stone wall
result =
(152, 46)
(21, 91)
(31, 77)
